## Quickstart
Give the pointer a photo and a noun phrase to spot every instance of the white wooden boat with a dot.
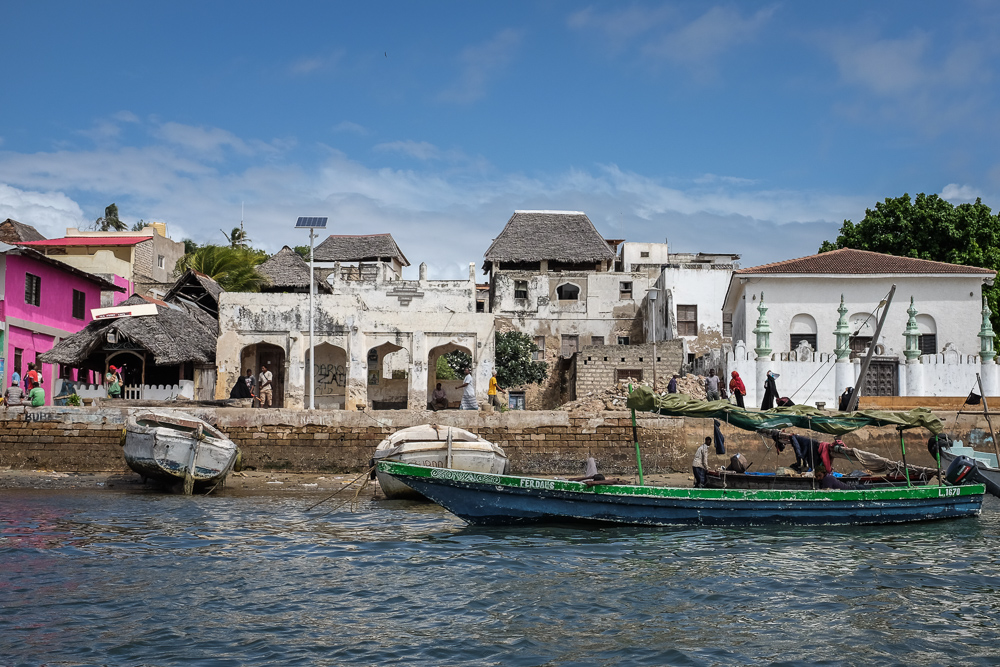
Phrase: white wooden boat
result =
(436, 447)
(175, 447)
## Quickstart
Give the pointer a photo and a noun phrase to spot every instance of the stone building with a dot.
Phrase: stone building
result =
(377, 337)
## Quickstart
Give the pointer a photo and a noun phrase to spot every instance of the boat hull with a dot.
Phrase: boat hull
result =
(490, 500)
(164, 452)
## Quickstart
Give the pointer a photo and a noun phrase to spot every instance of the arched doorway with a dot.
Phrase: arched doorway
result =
(330, 377)
(450, 379)
(388, 377)
(132, 366)
(252, 357)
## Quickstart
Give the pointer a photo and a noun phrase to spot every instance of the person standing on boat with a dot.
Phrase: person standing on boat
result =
(770, 392)
(264, 381)
(712, 386)
(468, 392)
(737, 388)
(700, 464)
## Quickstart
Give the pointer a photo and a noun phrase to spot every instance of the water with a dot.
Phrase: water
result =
(142, 579)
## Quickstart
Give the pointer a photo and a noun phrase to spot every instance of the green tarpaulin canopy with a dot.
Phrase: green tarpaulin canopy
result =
(801, 416)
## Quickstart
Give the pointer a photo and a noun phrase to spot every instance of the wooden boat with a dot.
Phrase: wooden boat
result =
(436, 447)
(174, 447)
(490, 500)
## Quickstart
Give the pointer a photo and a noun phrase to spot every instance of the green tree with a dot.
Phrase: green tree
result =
(189, 246)
(137, 227)
(444, 371)
(458, 361)
(110, 221)
(237, 238)
(303, 251)
(929, 228)
(233, 268)
(513, 358)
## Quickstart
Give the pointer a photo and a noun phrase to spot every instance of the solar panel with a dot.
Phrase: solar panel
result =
(316, 223)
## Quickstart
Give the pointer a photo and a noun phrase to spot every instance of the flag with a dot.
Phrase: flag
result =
(973, 399)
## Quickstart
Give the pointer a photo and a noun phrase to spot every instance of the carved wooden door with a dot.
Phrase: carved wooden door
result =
(881, 378)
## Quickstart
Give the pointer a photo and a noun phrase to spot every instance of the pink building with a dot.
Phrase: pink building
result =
(42, 302)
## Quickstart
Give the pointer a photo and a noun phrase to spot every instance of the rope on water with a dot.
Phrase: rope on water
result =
(366, 475)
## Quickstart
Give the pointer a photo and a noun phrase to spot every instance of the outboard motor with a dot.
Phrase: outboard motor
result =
(963, 470)
(938, 442)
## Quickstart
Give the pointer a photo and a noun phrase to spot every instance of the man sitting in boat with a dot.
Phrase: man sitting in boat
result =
(826, 479)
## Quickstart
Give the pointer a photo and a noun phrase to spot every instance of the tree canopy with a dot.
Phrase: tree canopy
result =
(929, 228)
(515, 366)
(110, 222)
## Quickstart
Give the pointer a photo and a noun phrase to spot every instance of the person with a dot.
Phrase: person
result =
(14, 393)
(439, 399)
(845, 399)
(250, 382)
(113, 380)
(712, 386)
(468, 392)
(240, 389)
(16, 378)
(737, 388)
(672, 385)
(770, 392)
(700, 464)
(494, 401)
(37, 396)
(31, 379)
(826, 479)
(264, 382)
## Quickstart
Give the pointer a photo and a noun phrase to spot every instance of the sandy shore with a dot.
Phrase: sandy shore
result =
(250, 482)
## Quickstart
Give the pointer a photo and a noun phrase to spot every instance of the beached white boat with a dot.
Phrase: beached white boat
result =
(175, 447)
(436, 447)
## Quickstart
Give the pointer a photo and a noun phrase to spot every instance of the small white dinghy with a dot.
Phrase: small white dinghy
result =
(437, 447)
(176, 447)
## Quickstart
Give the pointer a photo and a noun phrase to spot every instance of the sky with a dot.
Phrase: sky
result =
(747, 127)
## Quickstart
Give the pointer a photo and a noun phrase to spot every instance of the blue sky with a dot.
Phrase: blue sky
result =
(753, 128)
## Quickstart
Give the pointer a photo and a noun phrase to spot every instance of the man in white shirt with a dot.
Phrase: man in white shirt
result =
(264, 382)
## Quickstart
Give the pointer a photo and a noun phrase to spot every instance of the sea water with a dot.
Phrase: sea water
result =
(110, 578)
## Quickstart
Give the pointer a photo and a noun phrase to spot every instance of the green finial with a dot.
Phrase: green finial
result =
(763, 331)
(912, 334)
(842, 332)
(986, 351)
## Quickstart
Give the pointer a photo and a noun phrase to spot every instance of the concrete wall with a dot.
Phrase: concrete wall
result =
(86, 439)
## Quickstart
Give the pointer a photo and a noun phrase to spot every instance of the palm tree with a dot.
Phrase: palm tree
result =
(237, 238)
(233, 268)
(110, 221)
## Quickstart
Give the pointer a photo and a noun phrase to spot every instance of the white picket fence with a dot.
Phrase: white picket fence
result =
(145, 392)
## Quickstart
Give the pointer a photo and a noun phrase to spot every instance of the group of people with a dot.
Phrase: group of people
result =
(439, 397)
(258, 388)
(32, 393)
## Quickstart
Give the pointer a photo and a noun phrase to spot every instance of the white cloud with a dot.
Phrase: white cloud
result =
(480, 64)
(48, 212)
(208, 141)
(417, 149)
(956, 193)
(348, 126)
(316, 63)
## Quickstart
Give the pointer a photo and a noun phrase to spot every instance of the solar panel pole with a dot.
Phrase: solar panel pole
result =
(312, 346)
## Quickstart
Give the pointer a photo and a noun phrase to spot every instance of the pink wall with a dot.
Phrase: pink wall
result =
(121, 296)
(55, 310)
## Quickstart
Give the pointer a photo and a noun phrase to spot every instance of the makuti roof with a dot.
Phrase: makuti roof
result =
(847, 261)
(363, 248)
(562, 236)
(12, 231)
(287, 269)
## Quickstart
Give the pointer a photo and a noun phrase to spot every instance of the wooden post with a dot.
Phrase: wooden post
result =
(853, 404)
(635, 438)
(986, 412)
(449, 447)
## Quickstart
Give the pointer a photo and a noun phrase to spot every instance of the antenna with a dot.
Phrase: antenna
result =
(241, 216)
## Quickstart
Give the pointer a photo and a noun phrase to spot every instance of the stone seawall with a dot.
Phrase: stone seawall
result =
(87, 439)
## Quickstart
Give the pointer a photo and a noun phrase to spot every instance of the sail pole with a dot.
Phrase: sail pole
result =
(859, 384)
(986, 412)
(635, 438)
(906, 468)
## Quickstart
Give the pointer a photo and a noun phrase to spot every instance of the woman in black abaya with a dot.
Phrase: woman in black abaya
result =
(770, 392)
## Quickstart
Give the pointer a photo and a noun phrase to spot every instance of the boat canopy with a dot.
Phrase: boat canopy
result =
(801, 416)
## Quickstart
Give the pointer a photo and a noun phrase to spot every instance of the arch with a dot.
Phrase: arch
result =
(329, 376)
(451, 386)
(803, 323)
(926, 324)
(568, 292)
(133, 374)
(254, 356)
(388, 376)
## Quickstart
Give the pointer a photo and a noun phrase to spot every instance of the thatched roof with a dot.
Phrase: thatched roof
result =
(197, 288)
(12, 231)
(175, 335)
(365, 248)
(286, 270)
(561, 236)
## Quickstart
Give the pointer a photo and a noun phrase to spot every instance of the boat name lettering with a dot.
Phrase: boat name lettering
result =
(949, 491)
(538, 484)
(462, 476)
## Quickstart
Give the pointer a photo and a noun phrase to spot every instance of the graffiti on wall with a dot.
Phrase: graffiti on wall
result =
(330, 377)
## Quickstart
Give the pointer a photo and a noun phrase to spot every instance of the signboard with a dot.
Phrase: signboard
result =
(140, 310)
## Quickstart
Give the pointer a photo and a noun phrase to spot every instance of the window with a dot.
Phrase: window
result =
(570, 343)
(520, 289)
(859, 344)
(928, 344)
(628, 374)
(539, 354)
(623, 340)
(515, 400)
(625, 289)
(597, 340)
(644, 253)
(480, 307)
(32, 290)
(79, 305)
(568, 292)
(687, 320)
(727, 325)
(160, 261)
(795, 339)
